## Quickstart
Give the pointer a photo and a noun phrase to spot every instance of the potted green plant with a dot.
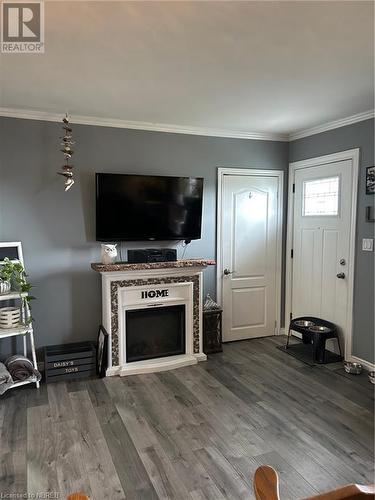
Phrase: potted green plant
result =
(14, 275)
(5, 278)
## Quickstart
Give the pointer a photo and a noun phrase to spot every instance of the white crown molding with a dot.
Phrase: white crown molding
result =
(360, 117)
(135, 125)
(179, 129)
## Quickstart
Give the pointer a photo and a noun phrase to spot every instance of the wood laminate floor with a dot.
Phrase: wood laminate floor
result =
(194, 433)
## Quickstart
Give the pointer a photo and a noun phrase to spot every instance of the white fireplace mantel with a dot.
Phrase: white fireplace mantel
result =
(135, 286)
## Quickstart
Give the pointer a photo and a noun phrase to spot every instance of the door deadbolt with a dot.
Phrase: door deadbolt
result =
(342, 262)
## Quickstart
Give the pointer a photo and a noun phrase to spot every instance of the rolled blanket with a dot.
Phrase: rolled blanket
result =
(6, 380)
(21, 368)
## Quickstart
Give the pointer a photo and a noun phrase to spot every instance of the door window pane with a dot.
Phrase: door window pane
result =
(321, 197)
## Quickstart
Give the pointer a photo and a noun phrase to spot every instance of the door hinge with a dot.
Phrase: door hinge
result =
(294, 188)
(290, 315)
(291, 253)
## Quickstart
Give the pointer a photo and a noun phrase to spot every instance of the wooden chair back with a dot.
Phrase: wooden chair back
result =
(266, 483)
(349, 492)
(266, 487)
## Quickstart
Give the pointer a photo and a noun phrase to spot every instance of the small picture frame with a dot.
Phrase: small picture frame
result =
(102, 352)
(370, 180)
(12, 250)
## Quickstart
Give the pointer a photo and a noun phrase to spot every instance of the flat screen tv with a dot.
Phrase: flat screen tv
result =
(143, 207)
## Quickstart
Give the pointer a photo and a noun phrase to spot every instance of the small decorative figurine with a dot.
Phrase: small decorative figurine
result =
(109, 254)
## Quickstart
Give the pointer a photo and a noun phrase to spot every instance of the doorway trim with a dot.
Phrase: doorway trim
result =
(279, 174)
(350, 154)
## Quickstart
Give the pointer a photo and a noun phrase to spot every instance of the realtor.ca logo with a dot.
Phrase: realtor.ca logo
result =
(22, 27)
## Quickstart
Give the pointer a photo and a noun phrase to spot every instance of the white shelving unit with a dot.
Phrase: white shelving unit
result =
(26, 331)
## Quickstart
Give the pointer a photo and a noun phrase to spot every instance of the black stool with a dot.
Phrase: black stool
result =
(315, 331)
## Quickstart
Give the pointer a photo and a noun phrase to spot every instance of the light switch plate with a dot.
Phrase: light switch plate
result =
(368, 244)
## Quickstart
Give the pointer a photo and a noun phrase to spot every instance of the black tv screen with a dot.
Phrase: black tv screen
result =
(142, 207)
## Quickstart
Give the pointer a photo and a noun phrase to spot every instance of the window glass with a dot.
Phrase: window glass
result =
(321, 197)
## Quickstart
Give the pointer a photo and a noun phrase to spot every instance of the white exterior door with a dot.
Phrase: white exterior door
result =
(249, 242)
(321, 242)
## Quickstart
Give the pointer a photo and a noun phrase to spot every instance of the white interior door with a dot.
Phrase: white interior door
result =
(321, 242)
(249, 242)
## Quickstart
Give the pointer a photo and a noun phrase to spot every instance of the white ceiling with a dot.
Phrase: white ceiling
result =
(266, 67)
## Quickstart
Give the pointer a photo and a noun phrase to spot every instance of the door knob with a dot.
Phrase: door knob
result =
(340, 276)
(227, 271)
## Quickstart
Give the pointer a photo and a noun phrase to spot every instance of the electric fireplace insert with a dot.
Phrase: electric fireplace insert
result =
(155, 332)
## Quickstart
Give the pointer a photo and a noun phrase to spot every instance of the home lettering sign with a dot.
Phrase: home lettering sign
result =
(152, 294)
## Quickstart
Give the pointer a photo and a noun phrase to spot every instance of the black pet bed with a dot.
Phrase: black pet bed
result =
(304, 353)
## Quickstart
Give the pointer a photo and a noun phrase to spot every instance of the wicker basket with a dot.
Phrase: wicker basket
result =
(9, 317)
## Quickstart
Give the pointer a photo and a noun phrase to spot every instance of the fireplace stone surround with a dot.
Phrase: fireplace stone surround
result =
(136, 286)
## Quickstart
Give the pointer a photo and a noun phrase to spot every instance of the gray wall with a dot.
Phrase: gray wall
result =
(57, 228)
(359, 135)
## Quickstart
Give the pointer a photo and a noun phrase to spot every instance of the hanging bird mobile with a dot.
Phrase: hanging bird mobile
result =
(66, 149)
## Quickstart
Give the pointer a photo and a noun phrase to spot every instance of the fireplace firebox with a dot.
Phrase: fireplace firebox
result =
(155, 332)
